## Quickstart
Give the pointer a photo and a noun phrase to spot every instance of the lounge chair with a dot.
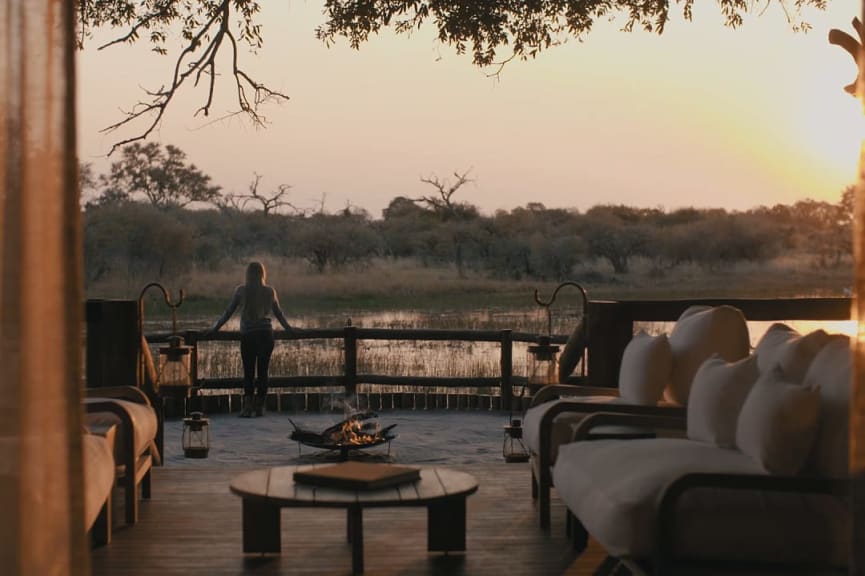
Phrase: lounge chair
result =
(127, 408)
(759, 482)
(654, 379)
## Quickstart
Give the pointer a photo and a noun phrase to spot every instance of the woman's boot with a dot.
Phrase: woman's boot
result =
(259, 405)
(246, 406)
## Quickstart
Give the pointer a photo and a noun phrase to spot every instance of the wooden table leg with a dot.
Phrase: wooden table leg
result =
(261, 527)
(446, 525)
(355, 533)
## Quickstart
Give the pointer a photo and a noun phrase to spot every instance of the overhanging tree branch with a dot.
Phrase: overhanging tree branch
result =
(206, 26)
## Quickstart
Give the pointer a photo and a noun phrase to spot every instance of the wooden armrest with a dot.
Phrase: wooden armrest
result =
(554, 391)
(130, 393)
(667, 417)
(664, 550)
(109, 404)
(546, 426)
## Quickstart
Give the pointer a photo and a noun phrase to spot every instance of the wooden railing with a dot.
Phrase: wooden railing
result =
(350, 377)
(611, 326)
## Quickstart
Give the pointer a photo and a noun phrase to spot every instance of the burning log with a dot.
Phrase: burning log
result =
(359, 430)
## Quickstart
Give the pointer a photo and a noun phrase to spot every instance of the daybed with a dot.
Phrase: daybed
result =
(759, 481)
(127, 408)
(654, 379)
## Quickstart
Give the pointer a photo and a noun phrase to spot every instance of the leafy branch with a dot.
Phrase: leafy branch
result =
(206, 29)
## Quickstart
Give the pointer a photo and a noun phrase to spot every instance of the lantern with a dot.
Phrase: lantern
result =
(542, 363)
(173, 376)
(196, 436)
(513, 448)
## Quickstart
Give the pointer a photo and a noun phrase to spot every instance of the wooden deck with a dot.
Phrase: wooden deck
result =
(192, 526)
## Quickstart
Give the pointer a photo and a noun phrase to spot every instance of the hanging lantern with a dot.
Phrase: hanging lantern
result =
(174, 363)
(542, 365)
(196, 436)
(513, 448)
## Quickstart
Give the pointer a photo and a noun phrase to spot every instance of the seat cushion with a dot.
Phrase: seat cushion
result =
(564, 424)
(143, 421)
(98, 475)
(614, 488)
(698, 333)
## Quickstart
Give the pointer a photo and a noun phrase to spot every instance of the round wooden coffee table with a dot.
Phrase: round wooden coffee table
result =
(266, 491)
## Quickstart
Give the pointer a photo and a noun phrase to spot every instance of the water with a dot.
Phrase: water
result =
(417, 358)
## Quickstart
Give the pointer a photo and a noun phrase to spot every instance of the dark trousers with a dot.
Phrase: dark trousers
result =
(256, 348)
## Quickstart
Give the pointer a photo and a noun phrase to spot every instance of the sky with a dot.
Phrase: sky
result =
(701, 116)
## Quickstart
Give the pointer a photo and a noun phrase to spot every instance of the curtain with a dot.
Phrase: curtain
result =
(41, 478)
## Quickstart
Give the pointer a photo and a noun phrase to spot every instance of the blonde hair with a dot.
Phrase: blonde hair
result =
(256, 275)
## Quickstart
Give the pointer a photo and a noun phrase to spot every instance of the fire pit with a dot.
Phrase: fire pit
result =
(359, 431)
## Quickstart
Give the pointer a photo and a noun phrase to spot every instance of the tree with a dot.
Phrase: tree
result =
(526, 28)
(443, 203)
(162, 177)
(269, 202)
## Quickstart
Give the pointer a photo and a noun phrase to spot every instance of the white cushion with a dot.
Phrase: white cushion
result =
(614, 488)
(564, 424)
(645, 370)
(699, 333)
(783, 346)
(778, 423)
(829, 373)
(717, 395)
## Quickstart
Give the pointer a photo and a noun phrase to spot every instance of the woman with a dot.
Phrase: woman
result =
(256, 300)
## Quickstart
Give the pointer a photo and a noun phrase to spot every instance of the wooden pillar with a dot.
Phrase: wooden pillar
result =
(41, 479)
(507, 368)
(350, 369)
(610, 329)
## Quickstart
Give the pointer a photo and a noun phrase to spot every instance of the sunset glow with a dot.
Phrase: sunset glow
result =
(702, 116)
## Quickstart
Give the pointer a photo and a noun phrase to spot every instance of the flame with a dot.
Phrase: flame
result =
(356, 432)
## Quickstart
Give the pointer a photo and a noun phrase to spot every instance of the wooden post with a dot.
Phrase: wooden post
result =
(610, 330)
(350, 369)
(507, 368)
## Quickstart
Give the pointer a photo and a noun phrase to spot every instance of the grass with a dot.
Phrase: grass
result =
(403, 285)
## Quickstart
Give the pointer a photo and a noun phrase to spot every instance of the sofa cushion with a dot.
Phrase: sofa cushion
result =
(829, 374)
(143, 420)
(698, 333)
(645, 370)
(717, 395)
(98, 475)
(614, 488)
(783, 346)
(778, 423)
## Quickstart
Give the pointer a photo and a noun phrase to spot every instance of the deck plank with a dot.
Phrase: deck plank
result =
(192, 525)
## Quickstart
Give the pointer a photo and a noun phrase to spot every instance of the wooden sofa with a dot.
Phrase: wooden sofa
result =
(654, 379)
(771, 498)
(129, 410)
(556, 410)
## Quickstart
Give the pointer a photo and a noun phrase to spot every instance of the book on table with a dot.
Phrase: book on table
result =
(357, 475)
